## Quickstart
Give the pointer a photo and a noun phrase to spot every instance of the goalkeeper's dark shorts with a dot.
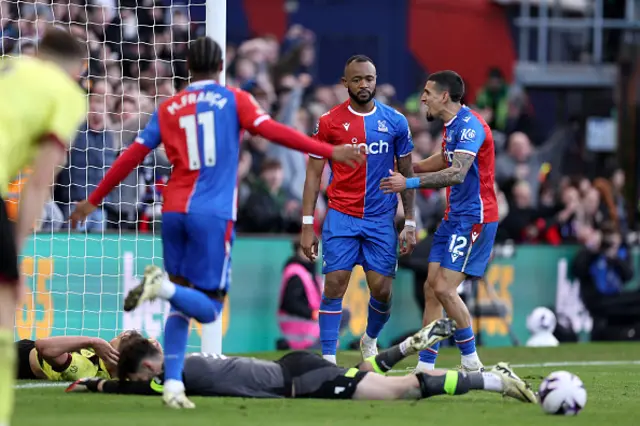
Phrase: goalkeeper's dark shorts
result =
(8, 251)
(24, 348)
(311, 376)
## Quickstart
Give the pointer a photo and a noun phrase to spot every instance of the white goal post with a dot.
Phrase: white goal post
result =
(216, 24)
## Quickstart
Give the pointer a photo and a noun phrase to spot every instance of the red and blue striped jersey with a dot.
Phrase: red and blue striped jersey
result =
(383, 134)
(200, 129)
(475, 198)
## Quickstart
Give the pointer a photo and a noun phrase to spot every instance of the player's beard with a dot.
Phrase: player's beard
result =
(429, 116)
(362, 100)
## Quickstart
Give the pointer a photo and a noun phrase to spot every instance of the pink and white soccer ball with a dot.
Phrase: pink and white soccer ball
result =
(562, 393)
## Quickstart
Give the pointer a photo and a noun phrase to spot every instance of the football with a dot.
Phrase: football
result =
(562, 393)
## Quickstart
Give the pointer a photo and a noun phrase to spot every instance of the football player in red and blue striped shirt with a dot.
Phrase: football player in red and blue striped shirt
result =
(359, 228)
(200, 130)
(464, 240)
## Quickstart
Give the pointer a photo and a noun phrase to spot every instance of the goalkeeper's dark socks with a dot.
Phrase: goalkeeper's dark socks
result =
(385, 360)
(196, 304)
(450, 383)
(176, 333)
(458, 383)
(7, 375)
(329, 317)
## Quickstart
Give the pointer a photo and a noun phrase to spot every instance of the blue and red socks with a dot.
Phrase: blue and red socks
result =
(465, 340)
(329, 317)
(427, 358)
(176, 333)
(379, 313)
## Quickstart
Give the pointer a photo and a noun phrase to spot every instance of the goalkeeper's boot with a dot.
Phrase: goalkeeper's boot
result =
(148, 288)
(514, 386)
(368, 346)
(177, 400)
(433, 333)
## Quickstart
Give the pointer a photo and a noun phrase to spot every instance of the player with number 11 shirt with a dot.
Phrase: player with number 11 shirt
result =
(200, 130)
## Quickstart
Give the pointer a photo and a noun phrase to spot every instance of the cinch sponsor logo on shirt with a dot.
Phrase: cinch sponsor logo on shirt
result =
(373, 148)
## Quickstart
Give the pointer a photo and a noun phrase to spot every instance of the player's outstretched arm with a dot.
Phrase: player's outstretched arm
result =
(256, 121)
(434, 163)
(115, 386)
(286, 136)
(308, 239)
(450, 176)
(37, 189)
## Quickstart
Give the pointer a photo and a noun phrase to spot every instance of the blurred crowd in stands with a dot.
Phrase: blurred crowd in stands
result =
(136, 61)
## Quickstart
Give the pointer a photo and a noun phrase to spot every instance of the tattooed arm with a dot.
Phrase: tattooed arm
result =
(405, 167)
(447, 177)
(450, 176)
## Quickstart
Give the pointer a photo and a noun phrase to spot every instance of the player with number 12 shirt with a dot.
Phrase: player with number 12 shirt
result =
(462, 245)
(200, 130)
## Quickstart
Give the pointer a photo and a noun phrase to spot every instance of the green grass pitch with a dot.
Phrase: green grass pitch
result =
(613, 388)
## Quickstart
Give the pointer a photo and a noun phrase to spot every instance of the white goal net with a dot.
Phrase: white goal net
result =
(136, 54)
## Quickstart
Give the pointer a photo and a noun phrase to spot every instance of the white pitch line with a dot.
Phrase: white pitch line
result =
(41, 385)
(555, 364)
(405, 371)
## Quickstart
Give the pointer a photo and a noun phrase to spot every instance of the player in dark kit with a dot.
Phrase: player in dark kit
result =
(464, 240)
(304, 374)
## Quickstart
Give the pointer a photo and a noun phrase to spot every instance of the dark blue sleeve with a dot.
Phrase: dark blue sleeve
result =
(403, 141)
(150, 136)
(470, 137)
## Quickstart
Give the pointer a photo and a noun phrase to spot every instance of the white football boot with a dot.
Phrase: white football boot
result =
(368, 346)
(514, 386)
(472, 367)
(148, 288)
(433, 333)
(177, 400)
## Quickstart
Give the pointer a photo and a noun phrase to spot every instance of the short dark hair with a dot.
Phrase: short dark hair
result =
(205, 56)
(359, 59)
(449, 81)
(134, 348)
(61, 43)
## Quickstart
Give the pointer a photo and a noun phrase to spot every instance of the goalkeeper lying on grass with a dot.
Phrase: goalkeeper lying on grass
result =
(69, 358)
(304, 374)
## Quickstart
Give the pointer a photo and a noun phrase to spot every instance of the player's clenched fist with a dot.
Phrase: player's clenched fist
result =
(347, 154)
(407, 240)
(309, 242)
(80, 213)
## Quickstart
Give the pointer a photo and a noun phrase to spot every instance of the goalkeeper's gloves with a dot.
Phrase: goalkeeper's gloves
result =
(89, 384)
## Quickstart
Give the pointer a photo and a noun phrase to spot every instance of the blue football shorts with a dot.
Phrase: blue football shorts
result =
(198, 247)
(348, 241)
(463, 246)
